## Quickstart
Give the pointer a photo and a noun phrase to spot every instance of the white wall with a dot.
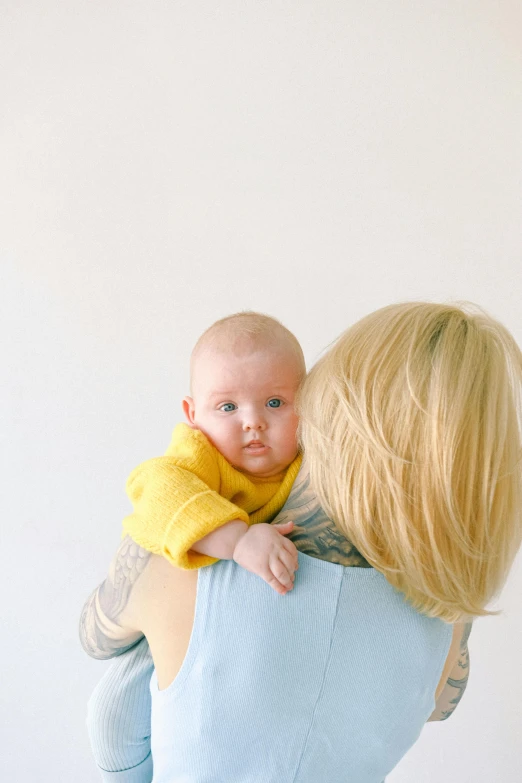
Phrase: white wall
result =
(166, 163)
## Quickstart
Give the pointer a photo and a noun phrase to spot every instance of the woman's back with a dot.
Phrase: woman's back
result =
(410, 426)
(334, 681)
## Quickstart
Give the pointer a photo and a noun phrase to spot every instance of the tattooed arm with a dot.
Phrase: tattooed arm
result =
(103, 629)
(457, 681)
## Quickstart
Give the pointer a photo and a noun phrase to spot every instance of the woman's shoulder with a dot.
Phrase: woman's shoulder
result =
(315, 534)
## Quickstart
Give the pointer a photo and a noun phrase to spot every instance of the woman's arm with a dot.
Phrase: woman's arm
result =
(142, 595)
(457, 679)
(106, 626)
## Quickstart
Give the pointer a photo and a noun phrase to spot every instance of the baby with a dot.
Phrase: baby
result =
(233, 464)
(227, 472)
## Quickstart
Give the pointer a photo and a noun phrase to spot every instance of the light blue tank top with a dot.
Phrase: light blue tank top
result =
(332, 682)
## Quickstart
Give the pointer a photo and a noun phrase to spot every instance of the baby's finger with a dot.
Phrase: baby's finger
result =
(289, 562)
(281, 573)
(284, 527)
(289, 547)
(276, 585)
(267, 575)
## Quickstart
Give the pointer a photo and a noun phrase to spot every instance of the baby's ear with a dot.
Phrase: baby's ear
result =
(189, 409)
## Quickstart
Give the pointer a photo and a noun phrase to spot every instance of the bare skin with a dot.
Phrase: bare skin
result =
(244, 404)
(144, 595)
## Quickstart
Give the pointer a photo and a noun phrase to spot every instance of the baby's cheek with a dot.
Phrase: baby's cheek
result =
(292, 427)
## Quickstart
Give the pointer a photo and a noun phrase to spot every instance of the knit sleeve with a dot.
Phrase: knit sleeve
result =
(176, 501)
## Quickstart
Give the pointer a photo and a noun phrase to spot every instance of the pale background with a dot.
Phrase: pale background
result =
(166, 163)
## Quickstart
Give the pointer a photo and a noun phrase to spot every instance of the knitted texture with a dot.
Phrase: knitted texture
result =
(118, 718)
(191, 491)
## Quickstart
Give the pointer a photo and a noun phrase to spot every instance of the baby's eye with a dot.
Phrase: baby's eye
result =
(227, 407)
(275, 402)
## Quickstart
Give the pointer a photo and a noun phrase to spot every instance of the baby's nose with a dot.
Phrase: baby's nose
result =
(256, 422)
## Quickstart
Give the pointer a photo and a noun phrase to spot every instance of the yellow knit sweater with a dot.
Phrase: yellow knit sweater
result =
(192, 490)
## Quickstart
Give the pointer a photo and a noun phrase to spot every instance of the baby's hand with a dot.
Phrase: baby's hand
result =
(264, 550)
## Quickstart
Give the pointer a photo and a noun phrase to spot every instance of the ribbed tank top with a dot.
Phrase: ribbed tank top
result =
(332, 682)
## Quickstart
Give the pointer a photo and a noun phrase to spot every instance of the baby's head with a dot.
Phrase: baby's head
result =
(244, 373)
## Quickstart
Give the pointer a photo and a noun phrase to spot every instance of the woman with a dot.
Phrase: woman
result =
(411, 434)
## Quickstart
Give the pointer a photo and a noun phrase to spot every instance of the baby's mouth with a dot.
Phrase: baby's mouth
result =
(256, 446)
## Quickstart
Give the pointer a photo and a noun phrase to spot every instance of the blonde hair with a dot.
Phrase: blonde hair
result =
(247, 331)
(411, 429)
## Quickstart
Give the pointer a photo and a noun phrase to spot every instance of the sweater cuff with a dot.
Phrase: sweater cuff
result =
(199, 516)
(142, 773)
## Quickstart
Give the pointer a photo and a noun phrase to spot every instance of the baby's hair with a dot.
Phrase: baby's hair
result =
(411, 428)
(247, 331)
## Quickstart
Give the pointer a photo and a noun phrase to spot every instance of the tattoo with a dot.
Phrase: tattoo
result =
(465, 636)
(315, 534)
(100, 634)
(454, 688)
(458, 685)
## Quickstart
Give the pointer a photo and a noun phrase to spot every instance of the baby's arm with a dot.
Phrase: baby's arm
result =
(261, 549)
(180, 514)
(177, 501)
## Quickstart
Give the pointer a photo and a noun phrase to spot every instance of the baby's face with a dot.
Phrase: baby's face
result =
(245, 407)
